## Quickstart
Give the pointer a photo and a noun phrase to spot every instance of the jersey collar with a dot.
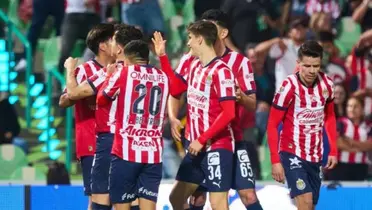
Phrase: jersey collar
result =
(299, 79)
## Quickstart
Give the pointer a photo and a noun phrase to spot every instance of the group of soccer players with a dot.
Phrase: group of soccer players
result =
(121, 103)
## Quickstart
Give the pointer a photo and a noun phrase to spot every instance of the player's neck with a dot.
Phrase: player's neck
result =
(103, 60)
(303, 81)
(207, 55)
(219, 47)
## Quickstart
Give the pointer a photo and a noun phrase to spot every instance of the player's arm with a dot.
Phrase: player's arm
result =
(225, 86)
(64, 101)
(329, 124)
(177, 85)
(246, 94)
(74, 90)
(281, 102)
(109, 89)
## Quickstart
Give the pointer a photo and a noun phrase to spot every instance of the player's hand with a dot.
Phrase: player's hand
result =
(332, 162)
(71, 63)
(111, 68)
(282, 45)
(159, 44)
(195, 147)
(176, 126)
(239, 94)
(277, 172)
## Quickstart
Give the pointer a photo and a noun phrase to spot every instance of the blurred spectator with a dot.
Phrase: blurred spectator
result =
(355, 140)
(252, 21)
(361, 12)
(200, 6)
(297, 9)
(9, 126)
(340, 100)
(80, 17)
(285, 50)
(41, 9)
(322, 13)
(145, 14)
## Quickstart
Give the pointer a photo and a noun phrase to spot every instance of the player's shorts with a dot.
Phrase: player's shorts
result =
(243, 176)
(130, 180)
(302, 176)
(86, 166)
(101, 163)
(213, 166)
(203, 186)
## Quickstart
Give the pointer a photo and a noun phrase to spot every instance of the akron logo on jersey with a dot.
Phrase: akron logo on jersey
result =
(300, 184)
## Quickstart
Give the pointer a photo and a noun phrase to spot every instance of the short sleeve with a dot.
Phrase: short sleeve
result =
(245, 77)
(340, 127)
(112, 87)
(224, 82)
(284, 95)
(183, 68)
(96, 80)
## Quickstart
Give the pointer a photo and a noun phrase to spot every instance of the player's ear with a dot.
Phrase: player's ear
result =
(224, 33)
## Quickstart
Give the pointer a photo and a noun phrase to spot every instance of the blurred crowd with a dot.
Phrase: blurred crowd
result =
(269, 33)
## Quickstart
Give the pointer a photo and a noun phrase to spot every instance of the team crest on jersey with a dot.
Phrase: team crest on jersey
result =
(300, 184)
(281, 90)
(325, 93)
(208, 80)
(249, 76)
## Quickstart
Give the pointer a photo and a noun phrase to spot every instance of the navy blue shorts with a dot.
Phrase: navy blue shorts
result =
(86, 166)
(101, 163)
(243, 176)
(130, 180)
(213, 167)
(302, 176)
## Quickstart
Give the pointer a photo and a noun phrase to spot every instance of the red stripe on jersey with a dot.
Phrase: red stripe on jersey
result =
(142, 97)
(85, 136)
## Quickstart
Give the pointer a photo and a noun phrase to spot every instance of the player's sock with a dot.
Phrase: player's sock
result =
(192, 207)
(255, 206)
(134, 208)
(96, 206)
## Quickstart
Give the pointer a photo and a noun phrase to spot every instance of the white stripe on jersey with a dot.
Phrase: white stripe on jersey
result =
(126, 114)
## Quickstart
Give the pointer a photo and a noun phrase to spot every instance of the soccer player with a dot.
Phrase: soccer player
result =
(98, 41)
(243, 177)
(141, 91)
(210, 87)
(104, 118)
(304, 103)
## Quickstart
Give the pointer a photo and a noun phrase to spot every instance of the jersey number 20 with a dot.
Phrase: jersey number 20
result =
(155, 96)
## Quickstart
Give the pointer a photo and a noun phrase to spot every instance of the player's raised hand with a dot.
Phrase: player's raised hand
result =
(71, 63)
(195, 148)
(277, 172)
(159, 43)
(331, 163)
(176, 126)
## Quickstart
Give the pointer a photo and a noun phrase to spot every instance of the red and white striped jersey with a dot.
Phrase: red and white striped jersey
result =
(243, 73)
(85, 112)
(329, 7)
(207, 86)
(142, 93)
(361, 133)
(305, 112)
(244, 78)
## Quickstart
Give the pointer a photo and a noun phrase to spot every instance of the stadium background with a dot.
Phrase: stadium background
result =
(47, 132)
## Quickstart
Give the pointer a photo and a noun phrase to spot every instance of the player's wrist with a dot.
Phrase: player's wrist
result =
(275, 159)
(202, 140)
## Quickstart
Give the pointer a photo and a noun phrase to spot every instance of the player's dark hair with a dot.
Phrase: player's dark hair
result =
(126, 33)
(310, 48)
(205, 29)
(137, 50)
(218, 16)
(98, 34)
